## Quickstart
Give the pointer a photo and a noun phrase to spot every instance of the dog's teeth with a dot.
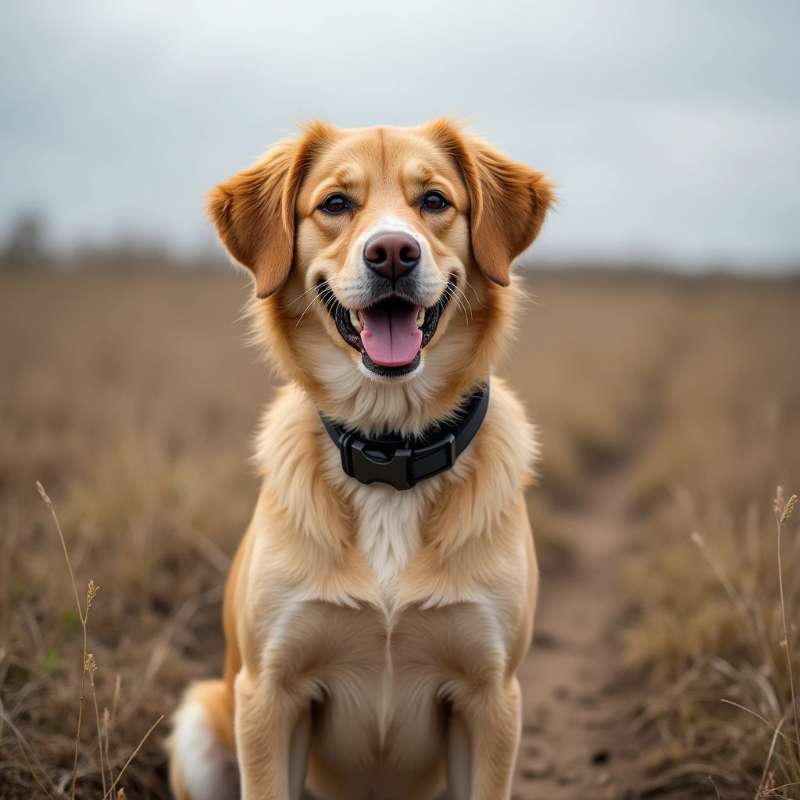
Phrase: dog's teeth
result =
(420, 317)
(355, 321)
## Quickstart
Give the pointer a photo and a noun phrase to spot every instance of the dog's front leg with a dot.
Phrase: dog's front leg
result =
(273, 734)
(459, 760)
(492, 721)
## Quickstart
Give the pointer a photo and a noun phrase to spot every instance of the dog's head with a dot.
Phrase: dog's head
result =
(378, 255)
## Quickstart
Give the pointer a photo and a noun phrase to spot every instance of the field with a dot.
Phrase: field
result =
(669, 411)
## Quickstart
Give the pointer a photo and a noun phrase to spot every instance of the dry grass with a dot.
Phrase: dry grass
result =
(708, 578)
(585, 372)
(132, 399)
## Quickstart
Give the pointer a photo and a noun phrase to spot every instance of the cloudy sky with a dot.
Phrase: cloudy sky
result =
(672, 128)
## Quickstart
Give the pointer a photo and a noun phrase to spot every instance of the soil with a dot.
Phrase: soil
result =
(577, 741)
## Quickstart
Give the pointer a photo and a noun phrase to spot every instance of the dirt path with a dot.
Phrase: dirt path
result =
(575, 744)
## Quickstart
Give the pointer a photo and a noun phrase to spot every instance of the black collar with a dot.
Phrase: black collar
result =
(404, 461)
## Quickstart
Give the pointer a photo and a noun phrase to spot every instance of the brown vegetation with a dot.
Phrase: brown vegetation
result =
(132, 399)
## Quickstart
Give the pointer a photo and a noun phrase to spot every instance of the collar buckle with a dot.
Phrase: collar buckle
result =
(384, 465)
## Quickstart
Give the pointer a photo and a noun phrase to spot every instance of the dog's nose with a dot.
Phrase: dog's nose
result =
(391, 255)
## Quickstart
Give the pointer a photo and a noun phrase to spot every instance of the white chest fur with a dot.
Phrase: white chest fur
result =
(388, 530)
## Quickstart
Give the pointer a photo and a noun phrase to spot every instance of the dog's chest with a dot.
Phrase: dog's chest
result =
(388, 532)
(386, 687)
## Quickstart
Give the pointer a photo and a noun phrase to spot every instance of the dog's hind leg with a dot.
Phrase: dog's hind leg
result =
(202, 757)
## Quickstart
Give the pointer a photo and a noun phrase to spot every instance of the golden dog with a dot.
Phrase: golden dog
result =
(383, 596)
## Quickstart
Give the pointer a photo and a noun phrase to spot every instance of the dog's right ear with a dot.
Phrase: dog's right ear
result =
(254, 211)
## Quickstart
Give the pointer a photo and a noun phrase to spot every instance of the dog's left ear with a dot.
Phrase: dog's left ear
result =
(254, 211)
(508, 200)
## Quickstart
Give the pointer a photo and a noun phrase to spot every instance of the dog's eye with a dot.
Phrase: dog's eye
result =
(335, 204)
(434, 201)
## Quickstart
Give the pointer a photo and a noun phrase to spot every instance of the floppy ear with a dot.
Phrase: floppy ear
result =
(254, 210)
(508, 200)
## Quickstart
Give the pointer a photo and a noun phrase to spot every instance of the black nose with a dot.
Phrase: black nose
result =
(391, 255)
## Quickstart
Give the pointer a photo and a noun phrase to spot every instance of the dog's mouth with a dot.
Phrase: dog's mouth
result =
(390, 333)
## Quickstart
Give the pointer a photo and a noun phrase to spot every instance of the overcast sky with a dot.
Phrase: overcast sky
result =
(672, 128)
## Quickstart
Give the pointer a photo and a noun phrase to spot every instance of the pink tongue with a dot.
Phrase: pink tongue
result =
(391, 336)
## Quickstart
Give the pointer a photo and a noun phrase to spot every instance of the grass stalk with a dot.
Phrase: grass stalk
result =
(139, 746)
(783, 512)
(83, 617)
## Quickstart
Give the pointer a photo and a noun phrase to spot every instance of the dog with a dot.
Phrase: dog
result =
(383, 596)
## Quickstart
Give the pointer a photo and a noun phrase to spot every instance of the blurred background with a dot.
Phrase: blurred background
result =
(670, 127)
(658, 355)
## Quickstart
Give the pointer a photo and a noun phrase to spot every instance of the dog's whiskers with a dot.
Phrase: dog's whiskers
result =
(463, 302)
(317, 297)
(453, 292)
(301, 296)
(329, 302)
(472, 288)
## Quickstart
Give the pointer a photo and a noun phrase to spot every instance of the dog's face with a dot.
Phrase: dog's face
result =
(380, 248)
(383, 236)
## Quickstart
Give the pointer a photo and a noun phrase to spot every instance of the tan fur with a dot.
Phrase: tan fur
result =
(374, 636)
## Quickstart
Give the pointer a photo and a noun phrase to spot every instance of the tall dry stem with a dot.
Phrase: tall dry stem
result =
(89, 663)
(82, 616)
(89, 667)
(783, 512)
(125, 766)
